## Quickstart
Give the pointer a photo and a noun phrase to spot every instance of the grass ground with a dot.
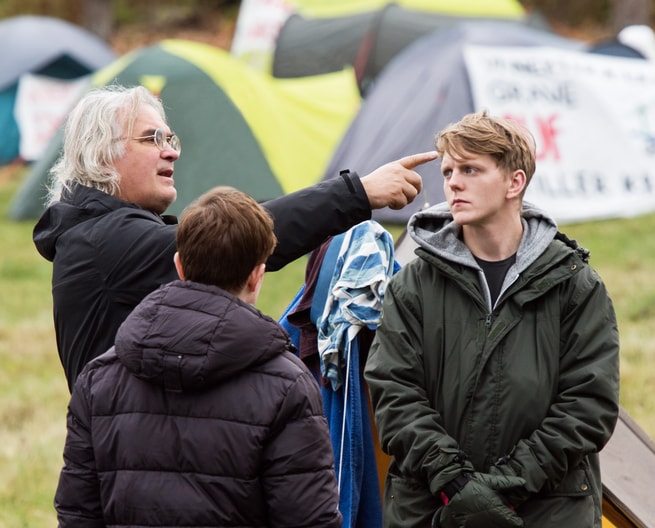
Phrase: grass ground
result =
(33, 393)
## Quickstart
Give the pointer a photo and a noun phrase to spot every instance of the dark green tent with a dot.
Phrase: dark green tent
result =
(366, 40)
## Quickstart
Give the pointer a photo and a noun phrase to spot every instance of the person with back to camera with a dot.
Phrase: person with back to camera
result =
(201, 414)
(105, 232)
(494, 373)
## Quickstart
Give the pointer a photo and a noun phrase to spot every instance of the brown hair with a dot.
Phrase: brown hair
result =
(507, 141)
(222, 236)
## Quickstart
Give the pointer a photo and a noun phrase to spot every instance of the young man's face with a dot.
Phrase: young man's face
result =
(475, 188)
(146, 172)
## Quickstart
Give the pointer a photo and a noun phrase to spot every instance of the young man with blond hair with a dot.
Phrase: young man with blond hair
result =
(495, 371)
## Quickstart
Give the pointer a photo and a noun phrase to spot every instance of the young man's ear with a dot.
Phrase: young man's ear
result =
(178, 265)
(517, 184)
(255, 280)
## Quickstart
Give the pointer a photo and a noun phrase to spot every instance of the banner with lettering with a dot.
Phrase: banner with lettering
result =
(257, 28)
(593, 119)
(42, 104)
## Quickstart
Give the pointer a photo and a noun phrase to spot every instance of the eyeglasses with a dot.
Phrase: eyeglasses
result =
(161, 140)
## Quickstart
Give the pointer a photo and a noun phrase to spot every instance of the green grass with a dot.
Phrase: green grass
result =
(33, 393)
(623, 252)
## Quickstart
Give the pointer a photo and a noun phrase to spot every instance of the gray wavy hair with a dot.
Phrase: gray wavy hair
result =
(92, 138)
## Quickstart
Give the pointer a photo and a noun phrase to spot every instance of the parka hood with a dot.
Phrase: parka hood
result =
(80, 204)
(188, 336)
(435, 231)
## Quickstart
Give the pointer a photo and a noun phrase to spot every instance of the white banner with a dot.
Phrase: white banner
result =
(593, 119)
(257, 28)
(42, 104)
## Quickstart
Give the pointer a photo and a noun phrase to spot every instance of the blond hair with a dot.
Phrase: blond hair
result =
(508, 142)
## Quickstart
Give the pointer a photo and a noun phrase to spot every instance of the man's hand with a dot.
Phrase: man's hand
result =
(510, 468)
(396, 184)
(479, 504)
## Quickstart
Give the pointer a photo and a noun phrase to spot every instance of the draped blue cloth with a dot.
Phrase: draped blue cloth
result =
(348, 297)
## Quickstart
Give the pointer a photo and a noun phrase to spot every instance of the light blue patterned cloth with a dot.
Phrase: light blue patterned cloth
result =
(348, 294)
(364, 265)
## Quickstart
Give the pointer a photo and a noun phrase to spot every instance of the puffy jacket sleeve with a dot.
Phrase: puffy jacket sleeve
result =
(306, 218)
(410, 429)
(298, 465)
(584, 412)
(77, 498)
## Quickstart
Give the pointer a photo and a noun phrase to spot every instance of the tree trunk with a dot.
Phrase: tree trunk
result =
(628, 13)
(98, 17)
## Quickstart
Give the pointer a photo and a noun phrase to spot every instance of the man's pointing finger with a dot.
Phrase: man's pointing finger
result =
(414, 160)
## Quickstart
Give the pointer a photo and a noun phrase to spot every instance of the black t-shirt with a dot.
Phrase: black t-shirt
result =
(495, 272)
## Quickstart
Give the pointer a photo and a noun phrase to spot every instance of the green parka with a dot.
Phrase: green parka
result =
(533, 380)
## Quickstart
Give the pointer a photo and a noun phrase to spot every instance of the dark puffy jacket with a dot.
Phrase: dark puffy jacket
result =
(109, 254)
(200, 416)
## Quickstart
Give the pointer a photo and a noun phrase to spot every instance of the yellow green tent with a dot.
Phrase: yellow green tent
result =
(238, 127)
(476, 8)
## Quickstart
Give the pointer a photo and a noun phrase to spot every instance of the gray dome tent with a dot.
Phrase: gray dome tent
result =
(422, 89)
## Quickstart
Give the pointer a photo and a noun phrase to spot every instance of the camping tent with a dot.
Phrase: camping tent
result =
(581, 108)
(332, 8)
(260, 21)
(365, 40)
(46, 46)
(421, 90)
(238, 127)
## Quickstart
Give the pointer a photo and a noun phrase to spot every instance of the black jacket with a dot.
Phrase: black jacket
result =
(109, 254)
(202, 415)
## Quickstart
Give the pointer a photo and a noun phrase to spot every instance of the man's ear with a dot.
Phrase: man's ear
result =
(517, 184)
(178, 265)
(256, 278)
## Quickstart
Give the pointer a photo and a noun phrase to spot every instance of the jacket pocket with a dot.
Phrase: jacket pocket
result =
(571, 504)
(407, 503)
(576, 483)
